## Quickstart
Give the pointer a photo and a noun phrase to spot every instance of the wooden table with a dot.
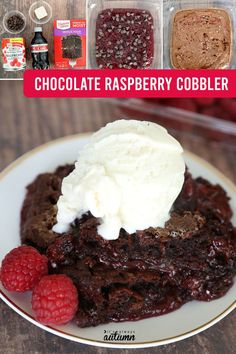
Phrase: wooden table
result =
(62, 10)
(26, 123)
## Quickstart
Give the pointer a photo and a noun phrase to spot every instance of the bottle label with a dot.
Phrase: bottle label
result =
(39, 48)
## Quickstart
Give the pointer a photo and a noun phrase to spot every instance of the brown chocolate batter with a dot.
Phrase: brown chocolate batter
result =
(201, 39)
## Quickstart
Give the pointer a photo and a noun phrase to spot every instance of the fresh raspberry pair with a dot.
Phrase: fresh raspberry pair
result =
(54, 297)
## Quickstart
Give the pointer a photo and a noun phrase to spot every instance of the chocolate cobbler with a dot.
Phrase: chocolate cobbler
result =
(145, 274)
(201, 39)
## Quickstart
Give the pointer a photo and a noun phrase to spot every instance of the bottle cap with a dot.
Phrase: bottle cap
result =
(38, 29)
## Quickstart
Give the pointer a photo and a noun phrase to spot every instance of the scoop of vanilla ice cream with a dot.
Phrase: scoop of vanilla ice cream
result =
(128, 176)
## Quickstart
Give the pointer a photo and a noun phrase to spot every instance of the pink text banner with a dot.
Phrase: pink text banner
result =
(130, 83)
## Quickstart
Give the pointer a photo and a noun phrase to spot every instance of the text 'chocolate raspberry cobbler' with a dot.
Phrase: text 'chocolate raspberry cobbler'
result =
(124, 39)
(145, 274)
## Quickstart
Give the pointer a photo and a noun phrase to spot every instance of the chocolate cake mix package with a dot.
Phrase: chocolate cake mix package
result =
(70, 44)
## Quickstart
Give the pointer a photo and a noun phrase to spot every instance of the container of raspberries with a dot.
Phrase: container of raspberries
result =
(124, 34)
(210, 119)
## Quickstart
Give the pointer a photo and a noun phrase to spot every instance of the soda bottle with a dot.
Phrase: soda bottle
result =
(39, 50)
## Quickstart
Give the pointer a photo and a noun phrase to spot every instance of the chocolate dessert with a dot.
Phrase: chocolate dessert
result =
(148, 273)
(124, 39)
(201, 39)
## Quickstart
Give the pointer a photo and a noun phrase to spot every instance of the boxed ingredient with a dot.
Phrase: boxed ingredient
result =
(199, 35)
(124, 34)
(13, 53)
(70, 44)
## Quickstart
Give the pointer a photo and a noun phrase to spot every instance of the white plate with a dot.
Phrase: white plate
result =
(190, 319)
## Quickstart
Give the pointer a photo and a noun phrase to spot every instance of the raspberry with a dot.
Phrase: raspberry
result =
(15, 61)
(55, 300)
(216, 112)
(210, 111)
(22, 268)
(184, 103)
(205, 102)
(229, 105)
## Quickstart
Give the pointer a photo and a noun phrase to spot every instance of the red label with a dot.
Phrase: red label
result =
(78, 23)
(131, 83)
(39, 48)
(13, 54)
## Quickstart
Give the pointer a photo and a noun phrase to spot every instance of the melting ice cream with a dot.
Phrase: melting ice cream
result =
(128, 176)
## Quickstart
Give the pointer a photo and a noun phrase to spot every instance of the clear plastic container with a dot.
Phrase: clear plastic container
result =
(155, 7)
(171, 7)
